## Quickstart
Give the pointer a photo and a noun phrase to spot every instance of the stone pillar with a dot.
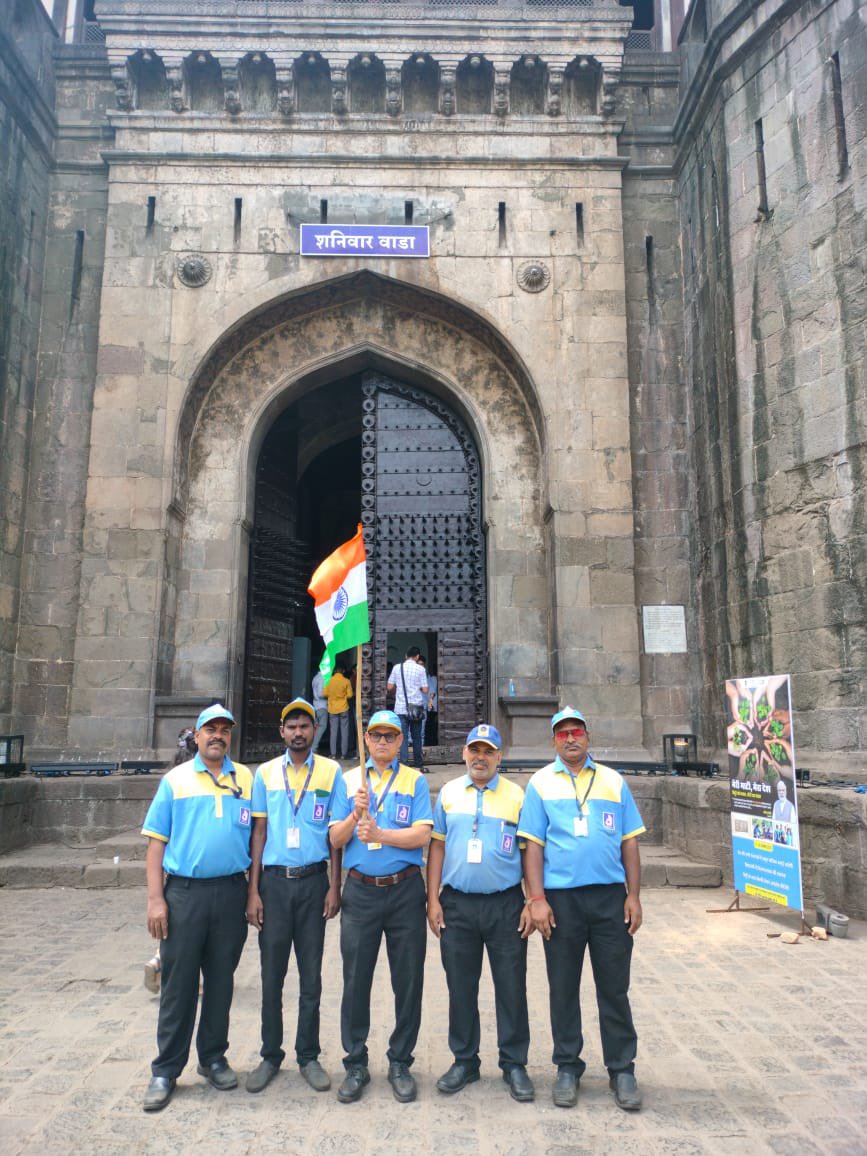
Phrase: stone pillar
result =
(555, 89)
(286, 100)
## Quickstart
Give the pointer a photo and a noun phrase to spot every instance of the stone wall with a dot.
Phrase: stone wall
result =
(74, 247)
(647, 98)
(775, 305)
(27, 128)
(688, 814)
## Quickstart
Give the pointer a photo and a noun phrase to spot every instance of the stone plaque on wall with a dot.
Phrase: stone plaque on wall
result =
(664, 629)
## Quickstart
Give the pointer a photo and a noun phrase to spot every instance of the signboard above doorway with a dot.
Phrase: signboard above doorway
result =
(365, 240)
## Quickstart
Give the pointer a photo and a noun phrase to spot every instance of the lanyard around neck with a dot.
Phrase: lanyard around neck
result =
(580, 803)
(296, 807)
(376, 804)
(235, 789)
(480, 799)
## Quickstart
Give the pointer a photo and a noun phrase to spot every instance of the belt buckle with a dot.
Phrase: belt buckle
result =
(386, 880)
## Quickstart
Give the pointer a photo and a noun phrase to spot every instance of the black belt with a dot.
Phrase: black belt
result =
(297, 872)
(384, 880)
(191, 881)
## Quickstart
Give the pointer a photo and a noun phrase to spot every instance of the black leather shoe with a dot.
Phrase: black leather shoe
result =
(627, 1094)
(158, 1093)
(259, 1079)
(402, 1083)
(316, 1076)
(520, 1085)
(356, 1079)
(566, 1090)
(219, 1075)
(457, 1077)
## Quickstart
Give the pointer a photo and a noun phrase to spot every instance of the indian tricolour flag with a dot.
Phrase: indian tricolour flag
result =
(339, 589)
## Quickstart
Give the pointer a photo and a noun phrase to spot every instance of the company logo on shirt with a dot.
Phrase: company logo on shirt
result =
(244, 816)
(318, 812)
(402, 813)
(608, 820)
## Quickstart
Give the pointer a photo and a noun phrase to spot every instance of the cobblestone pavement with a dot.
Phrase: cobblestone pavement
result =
(746, 1044)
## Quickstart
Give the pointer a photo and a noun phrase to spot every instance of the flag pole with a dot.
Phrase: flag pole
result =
(359, 729)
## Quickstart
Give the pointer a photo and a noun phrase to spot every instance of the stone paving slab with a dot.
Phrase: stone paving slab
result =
(746, 1044)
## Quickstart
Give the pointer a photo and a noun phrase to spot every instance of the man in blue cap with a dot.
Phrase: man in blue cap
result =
(475, 857)
(583, 875)
(290, 896)
(198, 827)
(382, 819)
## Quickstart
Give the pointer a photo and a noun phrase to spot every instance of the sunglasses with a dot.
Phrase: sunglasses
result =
(577, 732)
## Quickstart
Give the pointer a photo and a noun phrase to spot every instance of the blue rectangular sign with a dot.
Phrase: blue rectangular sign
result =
(365, 241)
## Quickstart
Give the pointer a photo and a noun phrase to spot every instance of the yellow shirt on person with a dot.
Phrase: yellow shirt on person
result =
(338, 692)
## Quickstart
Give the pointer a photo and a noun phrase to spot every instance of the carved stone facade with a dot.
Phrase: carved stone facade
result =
(654, 343)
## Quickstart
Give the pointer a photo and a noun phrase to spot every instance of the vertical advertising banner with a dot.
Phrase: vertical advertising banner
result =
(766, 849)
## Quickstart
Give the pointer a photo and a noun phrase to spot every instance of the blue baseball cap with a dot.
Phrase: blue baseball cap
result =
(214, 712)
(385, 718)
(485, 733)
(566, 713)
(297, 704)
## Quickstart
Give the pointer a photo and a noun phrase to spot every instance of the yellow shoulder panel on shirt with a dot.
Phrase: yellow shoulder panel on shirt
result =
(608, 785)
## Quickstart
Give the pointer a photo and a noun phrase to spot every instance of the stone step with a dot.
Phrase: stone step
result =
(663, 866)
(47, 865)
(127, 845)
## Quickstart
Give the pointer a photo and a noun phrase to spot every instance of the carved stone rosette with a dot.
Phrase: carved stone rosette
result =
(534, 276)
(194, 270)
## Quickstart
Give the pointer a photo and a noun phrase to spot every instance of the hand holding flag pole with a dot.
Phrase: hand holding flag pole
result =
(339, 590)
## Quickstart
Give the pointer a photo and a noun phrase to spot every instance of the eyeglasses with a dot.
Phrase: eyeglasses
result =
(572, 733)
(382, 736)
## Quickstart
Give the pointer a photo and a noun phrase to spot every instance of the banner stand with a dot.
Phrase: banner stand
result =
(735, 905)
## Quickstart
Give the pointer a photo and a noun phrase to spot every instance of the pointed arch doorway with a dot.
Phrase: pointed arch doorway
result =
(374, 449)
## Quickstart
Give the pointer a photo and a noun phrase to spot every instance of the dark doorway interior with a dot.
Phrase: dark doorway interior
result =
(371, 449)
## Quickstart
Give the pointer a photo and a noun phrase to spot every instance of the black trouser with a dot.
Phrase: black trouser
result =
(366, 913)
(293, 918)
(207, 931)
(473, 923)
(590, 917)
(411, 730)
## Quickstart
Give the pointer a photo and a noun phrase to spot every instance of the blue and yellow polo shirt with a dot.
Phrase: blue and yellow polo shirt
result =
(271, 802)
(464, 812)
(555, 798)
(206, 829)
(406, 804)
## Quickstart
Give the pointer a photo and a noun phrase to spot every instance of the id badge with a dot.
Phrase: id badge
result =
(474, 851)
(374, 846)
(579, 826)
(293, 838)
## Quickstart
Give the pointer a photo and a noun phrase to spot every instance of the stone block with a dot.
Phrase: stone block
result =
(101, 874)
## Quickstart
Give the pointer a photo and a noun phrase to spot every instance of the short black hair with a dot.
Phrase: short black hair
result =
(413, 652)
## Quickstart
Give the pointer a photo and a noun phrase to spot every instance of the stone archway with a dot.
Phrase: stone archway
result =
(363, 322)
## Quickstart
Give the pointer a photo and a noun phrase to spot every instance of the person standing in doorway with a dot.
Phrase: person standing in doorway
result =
(320, 705)
(408, 683)
(338, 693)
